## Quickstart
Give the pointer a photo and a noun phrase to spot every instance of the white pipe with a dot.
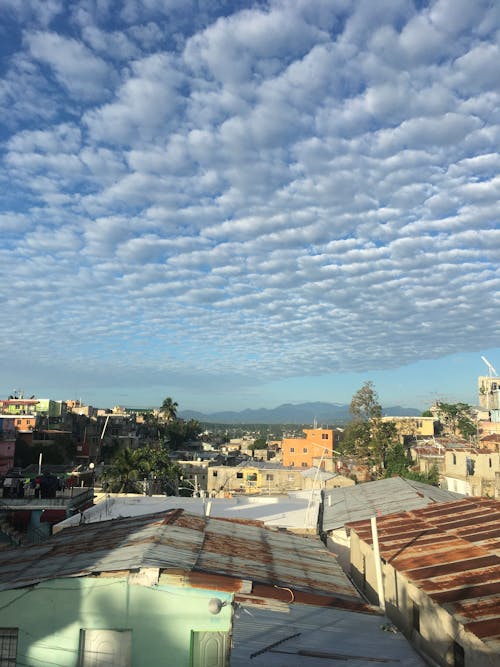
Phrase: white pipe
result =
(378, 566)
(40, 464)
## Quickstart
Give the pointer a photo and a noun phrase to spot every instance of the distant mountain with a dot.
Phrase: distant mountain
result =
(289, 413)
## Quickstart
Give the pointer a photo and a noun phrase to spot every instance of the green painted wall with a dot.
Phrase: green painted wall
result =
(51, 615)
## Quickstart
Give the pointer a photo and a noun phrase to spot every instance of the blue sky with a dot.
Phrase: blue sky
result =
(240, 204)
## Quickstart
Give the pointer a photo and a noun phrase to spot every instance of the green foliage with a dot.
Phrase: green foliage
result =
(169, 409)
(367, 436)
(131, 466)
(456, 418)
(259, 443)
(364, 404)
(427, 413)
(179, 432)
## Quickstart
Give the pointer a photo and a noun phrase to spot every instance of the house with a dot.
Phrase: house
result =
(472, 471)
(411, 428)
(27, 513)
(439, 577)
(489, 391)
(172, 586)
(121, 584)
(300, 452)
(379, 498)
(252, 477)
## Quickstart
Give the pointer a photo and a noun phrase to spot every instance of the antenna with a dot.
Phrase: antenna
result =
(492, 372)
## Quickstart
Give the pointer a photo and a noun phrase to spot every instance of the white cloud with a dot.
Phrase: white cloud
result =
(292, 188)
(81, 72)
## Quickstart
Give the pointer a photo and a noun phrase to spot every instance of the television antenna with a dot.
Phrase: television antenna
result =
(491, 369)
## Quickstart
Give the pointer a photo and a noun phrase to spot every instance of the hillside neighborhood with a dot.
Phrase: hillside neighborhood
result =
(374, 540)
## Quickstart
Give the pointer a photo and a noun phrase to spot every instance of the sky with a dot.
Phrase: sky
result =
(241, 204)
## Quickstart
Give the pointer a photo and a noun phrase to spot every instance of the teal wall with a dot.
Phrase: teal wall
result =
(50, 616)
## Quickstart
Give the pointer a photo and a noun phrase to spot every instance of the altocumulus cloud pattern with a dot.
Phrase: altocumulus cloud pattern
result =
(247, 189)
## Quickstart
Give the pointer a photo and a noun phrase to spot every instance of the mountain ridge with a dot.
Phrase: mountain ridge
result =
(290, 413)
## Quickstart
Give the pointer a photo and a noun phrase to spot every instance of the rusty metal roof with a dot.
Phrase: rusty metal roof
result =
(385, 496)
(182, 542)
(451, 551)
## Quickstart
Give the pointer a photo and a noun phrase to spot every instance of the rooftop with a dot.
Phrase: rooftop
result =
(451, 551)
(278, 512)
(296, 636)
(197, 549)
(385, 496)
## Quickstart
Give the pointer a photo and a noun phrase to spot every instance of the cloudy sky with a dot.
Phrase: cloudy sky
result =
(240, 204)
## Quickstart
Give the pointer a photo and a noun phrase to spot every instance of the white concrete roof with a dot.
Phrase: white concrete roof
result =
(275, 512)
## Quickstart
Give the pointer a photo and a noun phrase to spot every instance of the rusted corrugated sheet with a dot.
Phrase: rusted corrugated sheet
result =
(222, 553)
(450, 551)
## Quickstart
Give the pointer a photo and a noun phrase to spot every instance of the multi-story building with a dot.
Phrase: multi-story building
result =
(24, 411)
(489, 392)
(472, 471)
(412, 428)
(301, 452)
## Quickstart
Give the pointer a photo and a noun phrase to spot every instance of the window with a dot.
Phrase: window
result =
(454, 456)
(324, 436)
(489, 461)
(269, 478)
(105, 648)
(470, 465)
(239, 475)
(292, 449)
(415, 617)
(304, 449)
(8, 647)
(214, 473)
(304, 464)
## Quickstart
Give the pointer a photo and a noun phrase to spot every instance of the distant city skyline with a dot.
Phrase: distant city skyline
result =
(413, 386)
(249, 203)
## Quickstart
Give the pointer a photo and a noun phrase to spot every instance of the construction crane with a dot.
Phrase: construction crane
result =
(492, 372)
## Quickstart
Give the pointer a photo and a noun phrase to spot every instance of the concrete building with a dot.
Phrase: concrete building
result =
(412, 428)
(472, 471)
(301, 452)
(489, 392)
(253, 477)
(439, 578)
(117, 600)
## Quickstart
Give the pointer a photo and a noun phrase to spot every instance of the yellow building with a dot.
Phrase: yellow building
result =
(412, 427)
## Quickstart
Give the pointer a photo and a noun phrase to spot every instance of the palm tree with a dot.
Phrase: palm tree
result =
(169, 409)
(124, 472)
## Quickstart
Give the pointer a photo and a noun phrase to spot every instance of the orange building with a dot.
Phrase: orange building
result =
(300, 452)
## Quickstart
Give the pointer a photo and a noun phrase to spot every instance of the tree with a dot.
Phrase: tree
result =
(367, 436)
(169, 409)
(124, 472)
(131, 467)
(179, 432)
(457, 418)
(364, 404)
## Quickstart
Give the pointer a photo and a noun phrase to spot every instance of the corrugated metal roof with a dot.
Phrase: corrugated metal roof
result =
(183, 542)
(452, 552)
(294, 635)
(385, 496)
